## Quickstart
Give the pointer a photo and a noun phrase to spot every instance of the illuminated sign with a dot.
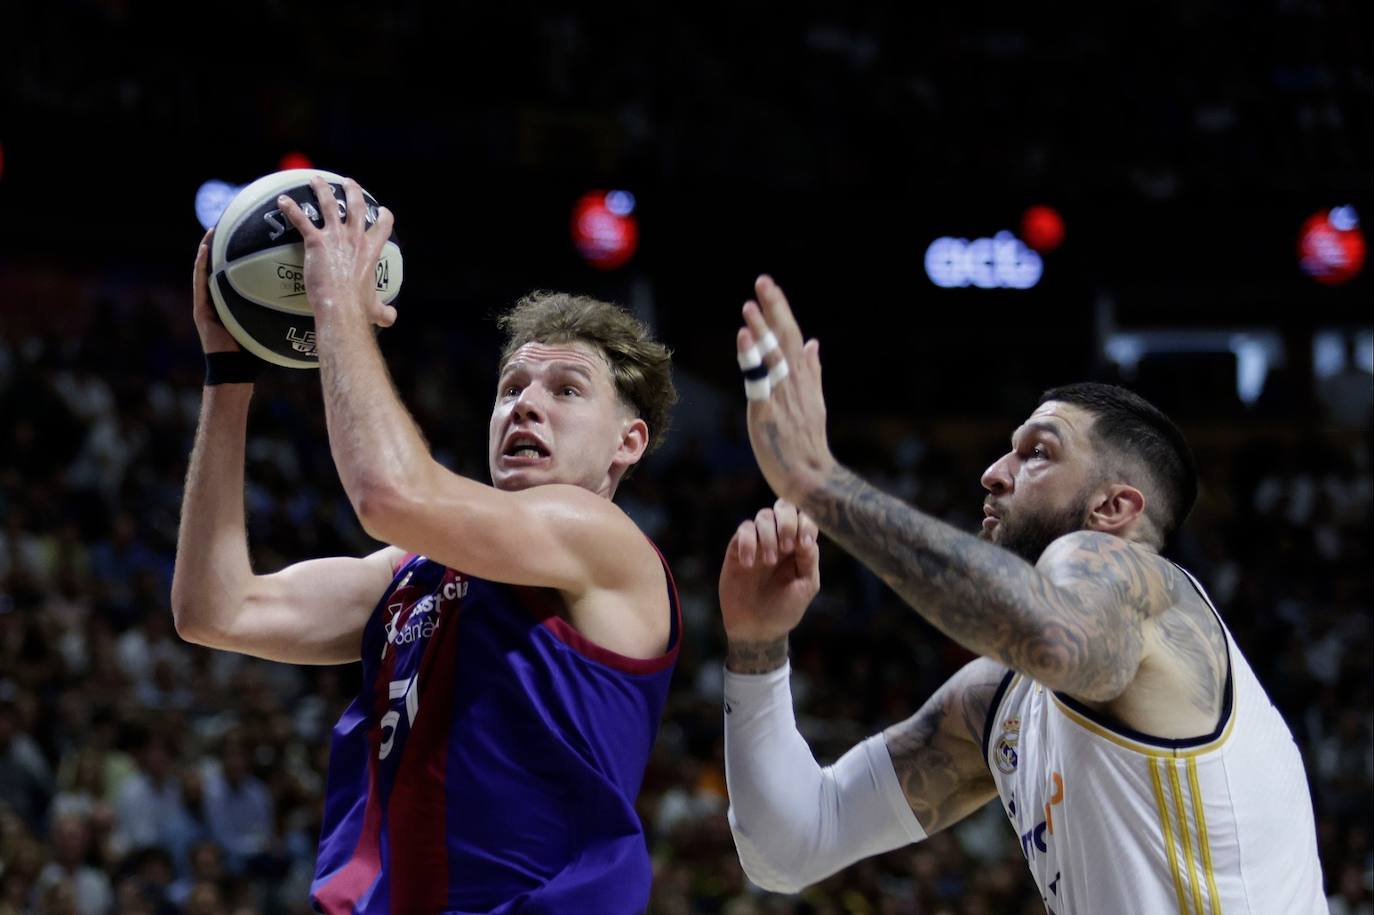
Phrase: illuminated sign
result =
(211, 199)
(1331, 246)
(604, 229)
(1000, 262)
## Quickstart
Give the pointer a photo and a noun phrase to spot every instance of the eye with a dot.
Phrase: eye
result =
(510, 390)
(569, 391)
(1039, 452)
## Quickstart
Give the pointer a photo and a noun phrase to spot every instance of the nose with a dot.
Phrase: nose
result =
(997, 479)
(529, 405)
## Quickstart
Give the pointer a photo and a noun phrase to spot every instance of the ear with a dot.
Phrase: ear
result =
(1119, 508)
(634, 440)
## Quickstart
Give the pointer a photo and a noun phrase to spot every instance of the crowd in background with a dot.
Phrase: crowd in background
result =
(1016, 97)
(141, 774)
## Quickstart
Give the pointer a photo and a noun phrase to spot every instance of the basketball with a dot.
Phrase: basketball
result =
(257, 267)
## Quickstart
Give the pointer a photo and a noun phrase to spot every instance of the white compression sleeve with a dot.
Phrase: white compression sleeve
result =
(794, 822)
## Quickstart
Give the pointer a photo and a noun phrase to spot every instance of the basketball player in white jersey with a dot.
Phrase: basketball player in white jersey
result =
(1110, 712)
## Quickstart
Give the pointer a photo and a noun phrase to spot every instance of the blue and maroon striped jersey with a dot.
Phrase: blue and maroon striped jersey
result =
(491, 759)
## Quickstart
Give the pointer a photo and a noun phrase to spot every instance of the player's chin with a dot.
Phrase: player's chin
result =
(511, 482)
(514, 479)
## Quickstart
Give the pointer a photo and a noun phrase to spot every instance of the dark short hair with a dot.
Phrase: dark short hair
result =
(641, 367)
(1130, 425)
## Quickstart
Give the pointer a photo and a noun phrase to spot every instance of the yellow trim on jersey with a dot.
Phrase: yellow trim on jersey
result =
(1168, 835)
(1203, 842)
(1146, 748)
(1194, 879)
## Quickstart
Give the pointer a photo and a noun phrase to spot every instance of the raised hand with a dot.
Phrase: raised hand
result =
(770, 575)
(786, 404)
(341, 257)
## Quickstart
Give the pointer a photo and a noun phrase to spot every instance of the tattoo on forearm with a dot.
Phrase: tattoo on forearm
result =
(992, 601)
(756, 657)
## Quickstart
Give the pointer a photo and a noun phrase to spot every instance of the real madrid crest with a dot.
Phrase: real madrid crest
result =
(1005, 755)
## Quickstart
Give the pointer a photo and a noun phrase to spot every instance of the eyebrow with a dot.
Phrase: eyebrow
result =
(1040, 425)
(573, 367)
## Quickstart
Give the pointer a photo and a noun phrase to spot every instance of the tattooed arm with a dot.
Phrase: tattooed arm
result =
(938, 752)
(1075, 621)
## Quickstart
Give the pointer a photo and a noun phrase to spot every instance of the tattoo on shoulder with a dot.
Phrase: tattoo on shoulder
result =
(756, 657)
(1192, 636)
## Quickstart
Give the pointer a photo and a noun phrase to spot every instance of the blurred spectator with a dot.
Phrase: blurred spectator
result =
(207, 869)
(150, 808)
(25, 779)
(1352, 896)
(81, 786)
(90, 887)
(238, 809)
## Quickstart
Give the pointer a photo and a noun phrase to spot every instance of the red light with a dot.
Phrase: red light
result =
(1331, 246)
(295, 159)
(605, 239)
(1042, 228)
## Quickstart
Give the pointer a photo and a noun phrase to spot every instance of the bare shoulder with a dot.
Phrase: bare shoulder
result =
(566, 504)
(938, 752)
(626, 607)
(608, 539)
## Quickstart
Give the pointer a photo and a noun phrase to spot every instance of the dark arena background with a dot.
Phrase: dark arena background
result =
(1183, 189)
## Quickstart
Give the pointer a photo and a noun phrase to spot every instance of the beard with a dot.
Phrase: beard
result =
(1027, 534)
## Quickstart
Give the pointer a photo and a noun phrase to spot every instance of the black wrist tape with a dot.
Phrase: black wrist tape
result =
(232, 368)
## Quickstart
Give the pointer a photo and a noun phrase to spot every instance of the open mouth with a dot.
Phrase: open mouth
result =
(524, 448)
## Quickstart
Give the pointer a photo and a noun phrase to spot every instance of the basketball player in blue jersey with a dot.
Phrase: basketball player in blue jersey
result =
(1133, 750)
(517, 639)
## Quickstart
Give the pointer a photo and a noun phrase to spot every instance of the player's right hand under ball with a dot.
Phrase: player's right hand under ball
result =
(213, 337)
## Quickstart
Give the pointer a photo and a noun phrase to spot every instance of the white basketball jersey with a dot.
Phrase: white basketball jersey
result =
(1114, 822)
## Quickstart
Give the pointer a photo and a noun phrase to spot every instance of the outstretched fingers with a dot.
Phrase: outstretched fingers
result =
(753, 365)
(778, 315)
(761, 358)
